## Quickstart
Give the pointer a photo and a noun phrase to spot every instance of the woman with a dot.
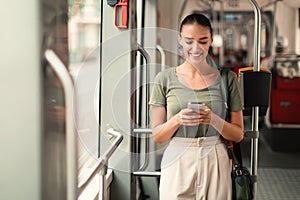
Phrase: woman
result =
(195, 164)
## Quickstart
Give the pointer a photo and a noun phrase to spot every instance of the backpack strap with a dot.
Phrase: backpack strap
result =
(230, 151)
(224, 88)
(233, 148)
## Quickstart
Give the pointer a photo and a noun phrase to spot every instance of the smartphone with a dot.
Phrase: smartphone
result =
(196, 105)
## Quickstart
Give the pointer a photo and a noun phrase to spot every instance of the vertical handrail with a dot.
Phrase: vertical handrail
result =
(163, 57)
(255, 110)
(146, 131)
(221, 32)
(145, 54)
(71, 139)
(273, 23)
(274, 29)
(221, 53)
(257, 35)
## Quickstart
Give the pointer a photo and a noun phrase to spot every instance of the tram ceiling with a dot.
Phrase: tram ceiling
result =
(292, 3)
(209, 4)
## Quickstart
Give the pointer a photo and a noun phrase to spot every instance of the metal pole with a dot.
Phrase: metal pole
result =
(146, 55)
(272, 45)
(254, 149)
(255, 110)
(103, 173)
(274, 29)
(221, 53)
(71, 137)
(257, 35)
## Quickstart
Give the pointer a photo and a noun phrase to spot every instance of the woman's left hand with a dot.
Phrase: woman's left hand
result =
(205, 115)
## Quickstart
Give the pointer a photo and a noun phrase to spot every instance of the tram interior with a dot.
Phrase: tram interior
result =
(278, 163)
(111, 67)
(279, 149)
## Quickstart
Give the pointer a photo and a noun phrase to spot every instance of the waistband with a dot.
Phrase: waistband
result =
(195, 142)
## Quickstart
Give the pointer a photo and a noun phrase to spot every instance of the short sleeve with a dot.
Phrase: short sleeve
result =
(158, 94)
(235, 98)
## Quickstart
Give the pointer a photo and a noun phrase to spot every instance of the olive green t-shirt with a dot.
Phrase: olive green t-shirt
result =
(170, 93)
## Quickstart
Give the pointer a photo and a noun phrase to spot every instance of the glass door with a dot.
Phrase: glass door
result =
(84, 50)
(55, 39)
(72, 33)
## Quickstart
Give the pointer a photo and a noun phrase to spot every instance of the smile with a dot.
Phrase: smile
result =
(195, 54)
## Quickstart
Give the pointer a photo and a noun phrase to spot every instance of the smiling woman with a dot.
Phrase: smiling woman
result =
(194, 134)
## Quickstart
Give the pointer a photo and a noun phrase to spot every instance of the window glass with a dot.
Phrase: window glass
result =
(84, 56)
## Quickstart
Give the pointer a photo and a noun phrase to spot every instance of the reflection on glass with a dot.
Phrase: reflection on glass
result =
(84, 42)
(54, 137)
(72, 30)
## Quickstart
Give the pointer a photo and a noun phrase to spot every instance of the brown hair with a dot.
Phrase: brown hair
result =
(196, 18)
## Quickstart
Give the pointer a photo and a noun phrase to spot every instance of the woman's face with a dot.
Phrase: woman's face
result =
(195, 40)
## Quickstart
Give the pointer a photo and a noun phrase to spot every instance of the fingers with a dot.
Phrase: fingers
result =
(205, 115)
(189, 117)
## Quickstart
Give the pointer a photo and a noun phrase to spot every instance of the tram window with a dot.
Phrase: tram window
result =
(84, 28)
(232, 17)
(84, 42)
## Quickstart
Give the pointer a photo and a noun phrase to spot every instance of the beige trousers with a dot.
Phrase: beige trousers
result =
(196, 168)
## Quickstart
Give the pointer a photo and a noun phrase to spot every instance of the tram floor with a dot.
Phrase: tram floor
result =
(278, 172)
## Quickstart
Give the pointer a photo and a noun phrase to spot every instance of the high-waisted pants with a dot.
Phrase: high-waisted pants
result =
(196, 169)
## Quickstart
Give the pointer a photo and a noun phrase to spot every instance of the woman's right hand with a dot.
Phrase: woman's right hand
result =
(189, 117)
